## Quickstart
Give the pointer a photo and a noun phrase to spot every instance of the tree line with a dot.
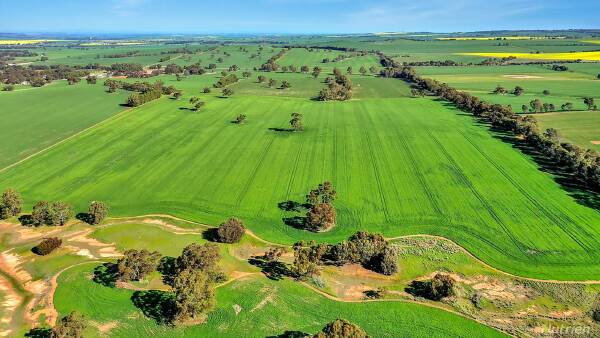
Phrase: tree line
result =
(583, 164)
(271, 64)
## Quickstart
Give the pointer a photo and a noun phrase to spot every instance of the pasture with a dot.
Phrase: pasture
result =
(582, 128)
(35, 118)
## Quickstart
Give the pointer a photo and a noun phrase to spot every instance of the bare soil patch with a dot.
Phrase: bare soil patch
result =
(524, 77)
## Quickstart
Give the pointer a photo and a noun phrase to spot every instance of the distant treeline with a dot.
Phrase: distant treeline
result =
(38, 76)
(144, 91)
(583, 164)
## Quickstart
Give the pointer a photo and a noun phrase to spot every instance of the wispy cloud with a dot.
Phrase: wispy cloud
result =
(126, 7)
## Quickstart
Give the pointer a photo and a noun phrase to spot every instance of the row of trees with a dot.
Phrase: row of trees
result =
(48, 213)
(338, 88)
(226, 81)
(38, 76)
(372, 251)
(271, 64)
(192, 277)
(584, 164)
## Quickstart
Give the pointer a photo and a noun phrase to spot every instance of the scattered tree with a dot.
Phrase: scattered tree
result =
(230, 231)
(363, 70)
(499, 90)
(10, 204)
(206, 90)
(240, 119)
(297, 122)
(589, 102)
(136, 264)
(341, 328)
(194, 294)
(316, 71)
(272, 82)
(518, 91)
(567, 106)
(70, 326)
(546, 92)
(90, 79)
(285, 85)
(97, 212)
(227, 92)
(47, 245)
(321, 216)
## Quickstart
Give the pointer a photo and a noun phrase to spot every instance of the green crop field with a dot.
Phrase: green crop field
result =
(35, 118)
(450, 194)
(582, 128)
(429, 170)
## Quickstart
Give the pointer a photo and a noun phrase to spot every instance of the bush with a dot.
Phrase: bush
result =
(42, 213)
(47, 246)
(386, 262)
(136, 264)
(97, 212)
(341, 328)
(230, 231)
(10, 204)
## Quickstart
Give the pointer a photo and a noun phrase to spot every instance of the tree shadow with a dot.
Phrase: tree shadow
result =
(561, 174)
(39, 333)
(297, 222)
(291, 334)
(26, 220)
(282, 129)
(106, 274)
(290, 206)
(167, 266)
(155, 304)
(273, 270)
(210, 235)
(85, 217)
(422, 289)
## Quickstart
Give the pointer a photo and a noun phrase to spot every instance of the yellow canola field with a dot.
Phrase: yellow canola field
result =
(24, 42)
(591, 41)
(587, 56)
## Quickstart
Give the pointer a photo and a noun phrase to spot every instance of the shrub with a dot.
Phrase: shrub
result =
(42, 213)
(97, 212)
(10, 203)
(441, 286)
(230, 231)
(386, 262)
(341, 328)
(71, 326)
(47, 245)
(321, 216)
(136, 264)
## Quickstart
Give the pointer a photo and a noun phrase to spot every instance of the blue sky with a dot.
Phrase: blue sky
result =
(293, 16)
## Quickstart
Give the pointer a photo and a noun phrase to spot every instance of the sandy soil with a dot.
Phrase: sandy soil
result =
(522, 77)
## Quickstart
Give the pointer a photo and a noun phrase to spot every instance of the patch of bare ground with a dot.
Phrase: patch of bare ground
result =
(524, 77)
(269, 295)
(105, 328)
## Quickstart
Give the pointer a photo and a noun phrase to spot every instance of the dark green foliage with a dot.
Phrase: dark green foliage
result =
(194, 294)
(136, 264)
(70, 326)
(230, 231)
(226, 81)
(201, 257)
(339, 89)
(297, 122)
(97, 212)
(341, 328)
(10, 203)
(47, 245)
